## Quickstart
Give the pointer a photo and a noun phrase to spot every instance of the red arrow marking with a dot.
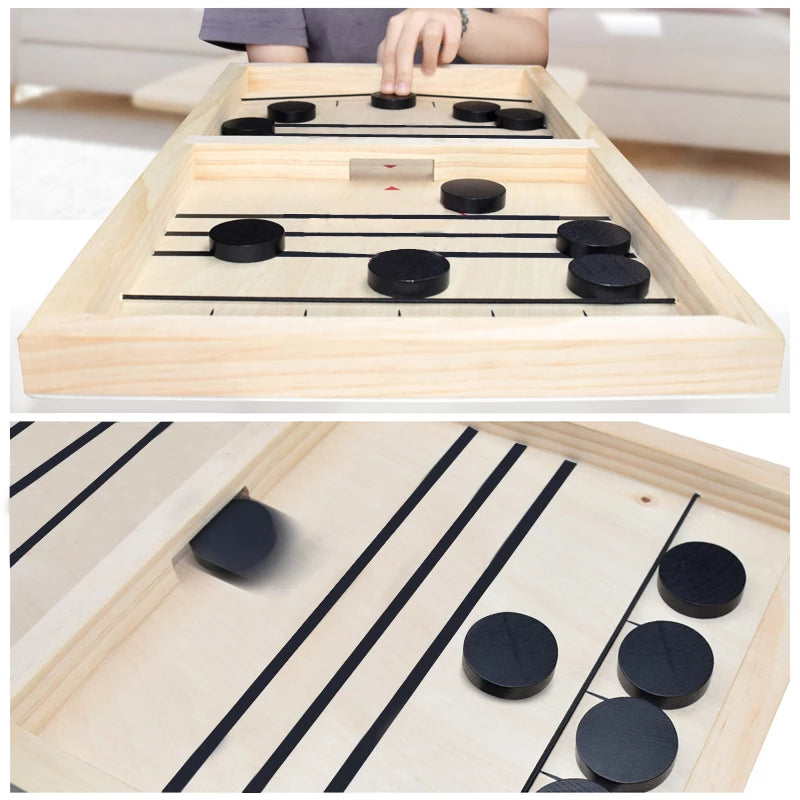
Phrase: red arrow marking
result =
(391, 189)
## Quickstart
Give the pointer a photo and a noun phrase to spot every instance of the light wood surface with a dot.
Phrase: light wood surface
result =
(713, 339)
(129, 680)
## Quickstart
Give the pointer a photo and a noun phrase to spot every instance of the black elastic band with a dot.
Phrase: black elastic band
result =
(369, 94)
(434, 301)
(317, 254)
(226, 724)
(18, 427)
(369, 741)
(454, 215)
(414, 135)
(60, 456)
(322, 700)
(393, 235)
(84, 494)
(606, 650)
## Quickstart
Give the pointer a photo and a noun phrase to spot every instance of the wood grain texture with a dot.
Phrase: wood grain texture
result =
(146, 634)
(74, 636)
(86, 339)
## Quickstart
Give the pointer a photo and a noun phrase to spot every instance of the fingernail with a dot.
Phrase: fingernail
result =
(401, 88)
(387, 87)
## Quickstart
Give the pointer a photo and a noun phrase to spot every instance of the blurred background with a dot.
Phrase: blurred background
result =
(696, 99)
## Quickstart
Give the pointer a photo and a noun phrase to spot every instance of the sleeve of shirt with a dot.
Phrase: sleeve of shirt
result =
(236, 27)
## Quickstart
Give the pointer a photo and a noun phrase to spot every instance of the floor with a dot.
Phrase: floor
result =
(74, 154)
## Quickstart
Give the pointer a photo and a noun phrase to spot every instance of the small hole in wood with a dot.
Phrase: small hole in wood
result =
(645, 499)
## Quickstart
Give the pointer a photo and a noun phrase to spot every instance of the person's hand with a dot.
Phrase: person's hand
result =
(439, 32)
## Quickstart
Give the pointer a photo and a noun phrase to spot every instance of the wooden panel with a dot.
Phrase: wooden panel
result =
(130, 671)
(714, 339)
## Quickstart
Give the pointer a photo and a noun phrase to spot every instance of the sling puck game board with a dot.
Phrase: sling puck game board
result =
(483, 239)
(392, 607)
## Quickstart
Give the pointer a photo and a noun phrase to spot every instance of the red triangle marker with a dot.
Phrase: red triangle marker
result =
(390, 166)
(391, 189)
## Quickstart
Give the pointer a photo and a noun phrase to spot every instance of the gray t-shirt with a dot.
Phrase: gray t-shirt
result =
(332, 35)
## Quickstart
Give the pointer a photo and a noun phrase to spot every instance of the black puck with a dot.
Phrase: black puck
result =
(408, 273)
(473, 196)
(581, 237)
(509, 655)
(248, 126)
(667, 663)
(237, 539)
(246, 240)
(603, 276)
(572, 785)
(292, 111)
(701, 580)
(519, 119)
(393, 101)
(626, 744)
(475, 111)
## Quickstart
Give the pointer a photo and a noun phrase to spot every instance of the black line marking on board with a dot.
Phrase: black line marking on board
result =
(212, 313)
(322, 254)
(631, 622)
(337, 104)
(87, 492)
(598, 696)
(17, 428)
(487, 126)
(450, 301)
(615, 633)
(393, 235)
(369, 94)
(454, 215)
(251, 694)
(369, 741)
(491, 310)
(305, 312)
(584, 313)
(550, 775)
(433, 103)
(61, 455)
(384, 620)
(398, 313)
(414, 135)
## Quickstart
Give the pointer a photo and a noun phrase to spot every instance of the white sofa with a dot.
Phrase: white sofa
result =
(711, 78)
(705, 78)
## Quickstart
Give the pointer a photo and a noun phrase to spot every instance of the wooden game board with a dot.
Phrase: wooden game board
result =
(145, 310)
(137, 653)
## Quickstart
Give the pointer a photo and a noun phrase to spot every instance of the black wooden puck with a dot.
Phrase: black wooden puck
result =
(580, 237)
(393, 101)
(572, 785)
(626, 744)
(701, 580)
(292, 111)
(519, 119)
(237, 539)
(509, 655)
(475, 111)
(603, 276)
(246, 240)
(473, 196)
(667, 663)
(408, 273)
(248, 126)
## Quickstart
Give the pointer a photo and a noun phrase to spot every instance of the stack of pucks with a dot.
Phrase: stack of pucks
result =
(248, 126)
(519, 119)
(394, 102)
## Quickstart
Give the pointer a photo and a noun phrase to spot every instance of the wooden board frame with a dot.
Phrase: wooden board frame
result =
(79, 342)
(51, 661)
